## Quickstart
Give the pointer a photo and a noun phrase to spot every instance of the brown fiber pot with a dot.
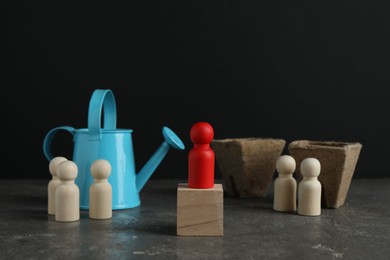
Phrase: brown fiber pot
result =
(247, 165)
(338, 161)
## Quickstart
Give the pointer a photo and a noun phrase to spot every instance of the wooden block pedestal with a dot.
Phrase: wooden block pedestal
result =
(199, 211)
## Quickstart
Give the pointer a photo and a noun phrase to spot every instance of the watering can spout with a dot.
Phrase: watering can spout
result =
(171, 140)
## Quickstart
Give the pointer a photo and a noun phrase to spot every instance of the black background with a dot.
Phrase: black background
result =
(313, 70)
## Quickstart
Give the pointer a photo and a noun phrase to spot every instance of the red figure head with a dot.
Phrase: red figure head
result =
(202, 133)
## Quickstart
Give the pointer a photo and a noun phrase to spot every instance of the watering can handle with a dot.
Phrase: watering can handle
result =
(102, 99)
(49, 138)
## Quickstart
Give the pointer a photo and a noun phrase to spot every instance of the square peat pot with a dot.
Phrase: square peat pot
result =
(338, 161)
(247, 165)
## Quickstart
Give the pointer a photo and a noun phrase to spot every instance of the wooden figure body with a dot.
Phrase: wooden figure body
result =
(53, 184)
(67, 193)
(100, 192)
(285, 186)
(201, 157)
(309, 189)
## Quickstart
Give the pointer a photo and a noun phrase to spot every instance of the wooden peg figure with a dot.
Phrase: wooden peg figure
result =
(201, 157)
(67, 193)
(53, 184)
(309, 188)
(285, 186)
(200, 202)
(100, 192)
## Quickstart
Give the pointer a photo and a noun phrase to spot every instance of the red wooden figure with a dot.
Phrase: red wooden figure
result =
(201, 157)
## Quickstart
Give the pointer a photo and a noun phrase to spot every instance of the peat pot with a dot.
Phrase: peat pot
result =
(338, 161)
(247, 165)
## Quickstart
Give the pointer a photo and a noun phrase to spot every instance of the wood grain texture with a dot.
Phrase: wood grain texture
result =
(199, 211)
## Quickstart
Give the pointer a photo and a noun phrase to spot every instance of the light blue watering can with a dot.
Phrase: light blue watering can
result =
(114, 145)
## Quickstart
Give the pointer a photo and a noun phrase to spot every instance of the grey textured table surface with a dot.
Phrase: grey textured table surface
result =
(252, 230)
